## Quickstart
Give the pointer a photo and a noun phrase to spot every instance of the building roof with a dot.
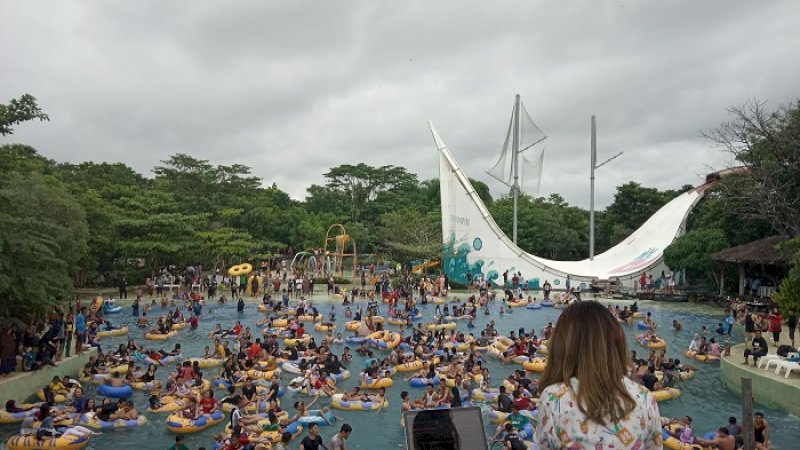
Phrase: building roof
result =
(762, 251)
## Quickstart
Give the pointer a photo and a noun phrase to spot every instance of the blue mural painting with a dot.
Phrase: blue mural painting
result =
(457, 266)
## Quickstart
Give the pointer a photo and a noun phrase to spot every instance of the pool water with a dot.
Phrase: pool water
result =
(704, 398)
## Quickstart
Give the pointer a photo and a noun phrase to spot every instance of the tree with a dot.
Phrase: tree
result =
(548, 227)
(19, 110)
(691, 252)
(767, 146)
(43, 235)
(349, 189)
(632, 206)
(409, 234)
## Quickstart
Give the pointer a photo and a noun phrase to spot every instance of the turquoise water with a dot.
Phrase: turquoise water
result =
(704, 398)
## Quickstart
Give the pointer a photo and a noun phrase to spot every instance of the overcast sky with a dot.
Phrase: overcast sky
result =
(293, 88)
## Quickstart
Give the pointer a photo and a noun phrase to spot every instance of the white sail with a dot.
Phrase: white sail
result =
(530, 170)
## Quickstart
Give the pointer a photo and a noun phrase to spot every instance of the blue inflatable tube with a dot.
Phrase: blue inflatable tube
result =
(527, 432)
(356, 339)
(315, 417)
(642, 325)
(423, 382)
(534, 306)
(293, 427)
(115, 392)
(112, 309)
(547, 303)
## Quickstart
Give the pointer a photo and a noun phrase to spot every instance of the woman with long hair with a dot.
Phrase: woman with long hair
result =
(586, 398)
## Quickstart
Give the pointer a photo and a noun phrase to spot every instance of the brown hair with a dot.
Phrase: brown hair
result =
(589, 344)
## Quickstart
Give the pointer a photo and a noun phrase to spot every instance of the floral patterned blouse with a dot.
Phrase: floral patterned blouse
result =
(563, 426)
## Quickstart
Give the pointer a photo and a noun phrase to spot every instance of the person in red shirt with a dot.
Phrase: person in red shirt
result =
(208, 403)
(300, 330)
(237, 329)
(520, 400)
(187, 372)
(194, 322)
(254, 349)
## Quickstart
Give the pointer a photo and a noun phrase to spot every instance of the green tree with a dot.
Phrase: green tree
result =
(691, 252)
(17, 111)
(633, 205)
(408, 235)
(43, 235)
(767, 146)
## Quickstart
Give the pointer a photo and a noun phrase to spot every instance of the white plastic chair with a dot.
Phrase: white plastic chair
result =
(767, 359)
(789, 366)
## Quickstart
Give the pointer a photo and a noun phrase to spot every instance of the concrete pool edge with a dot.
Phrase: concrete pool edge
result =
(773, 391)
(22, 386)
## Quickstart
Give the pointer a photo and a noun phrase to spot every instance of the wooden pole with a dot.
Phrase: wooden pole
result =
(747, 414)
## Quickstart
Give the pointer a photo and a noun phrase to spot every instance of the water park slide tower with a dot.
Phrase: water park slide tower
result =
(475, 244)
(337, 246)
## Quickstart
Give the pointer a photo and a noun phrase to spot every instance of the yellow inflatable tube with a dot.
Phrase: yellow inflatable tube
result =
(160, 337)
(377, 384)
(29, 442)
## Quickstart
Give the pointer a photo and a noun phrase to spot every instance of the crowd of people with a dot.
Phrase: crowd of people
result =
(448, 362)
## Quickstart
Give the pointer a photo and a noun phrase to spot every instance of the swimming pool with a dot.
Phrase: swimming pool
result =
(704, 398)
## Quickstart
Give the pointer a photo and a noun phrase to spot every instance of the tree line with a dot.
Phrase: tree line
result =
(64, 224)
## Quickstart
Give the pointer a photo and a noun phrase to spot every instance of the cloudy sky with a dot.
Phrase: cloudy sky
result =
(292, 88)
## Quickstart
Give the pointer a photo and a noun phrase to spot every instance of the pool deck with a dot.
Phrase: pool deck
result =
(22, 386)
(769, 389)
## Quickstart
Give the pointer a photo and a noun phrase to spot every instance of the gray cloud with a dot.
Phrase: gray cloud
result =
(293, 88)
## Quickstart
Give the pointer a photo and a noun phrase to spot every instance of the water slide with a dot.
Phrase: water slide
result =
(475, 244)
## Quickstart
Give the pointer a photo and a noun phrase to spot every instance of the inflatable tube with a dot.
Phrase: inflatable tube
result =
(637, 314)
(59, 398)
(179, 326)
(440, 326)
(145, 385)
(90, 420)
(534, 306)
(291, 342)
(168, 404)
(356, 339)
(169, 359)
(112, 309)
(535, 365)
(115, 392)
(353, 325)
(424, 382)
(377, 384)
(517, 304)
(356, 405)
(115, 332)
(642, 325)
(479, 395)
(315, 416)
(290, 367)
(322, 328)
(240, 269)
(310, 318)
(547, 303)
(702, 358)
(497, 417)
(29, 442)
(180, 425)
(662, 395)
(160, 337)
(675, 444)
(438, 300)
(659, 344)
(412, 366)
(7, 417)
(343, 375)
(207, 363)
(262, 374)
(395, 321)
